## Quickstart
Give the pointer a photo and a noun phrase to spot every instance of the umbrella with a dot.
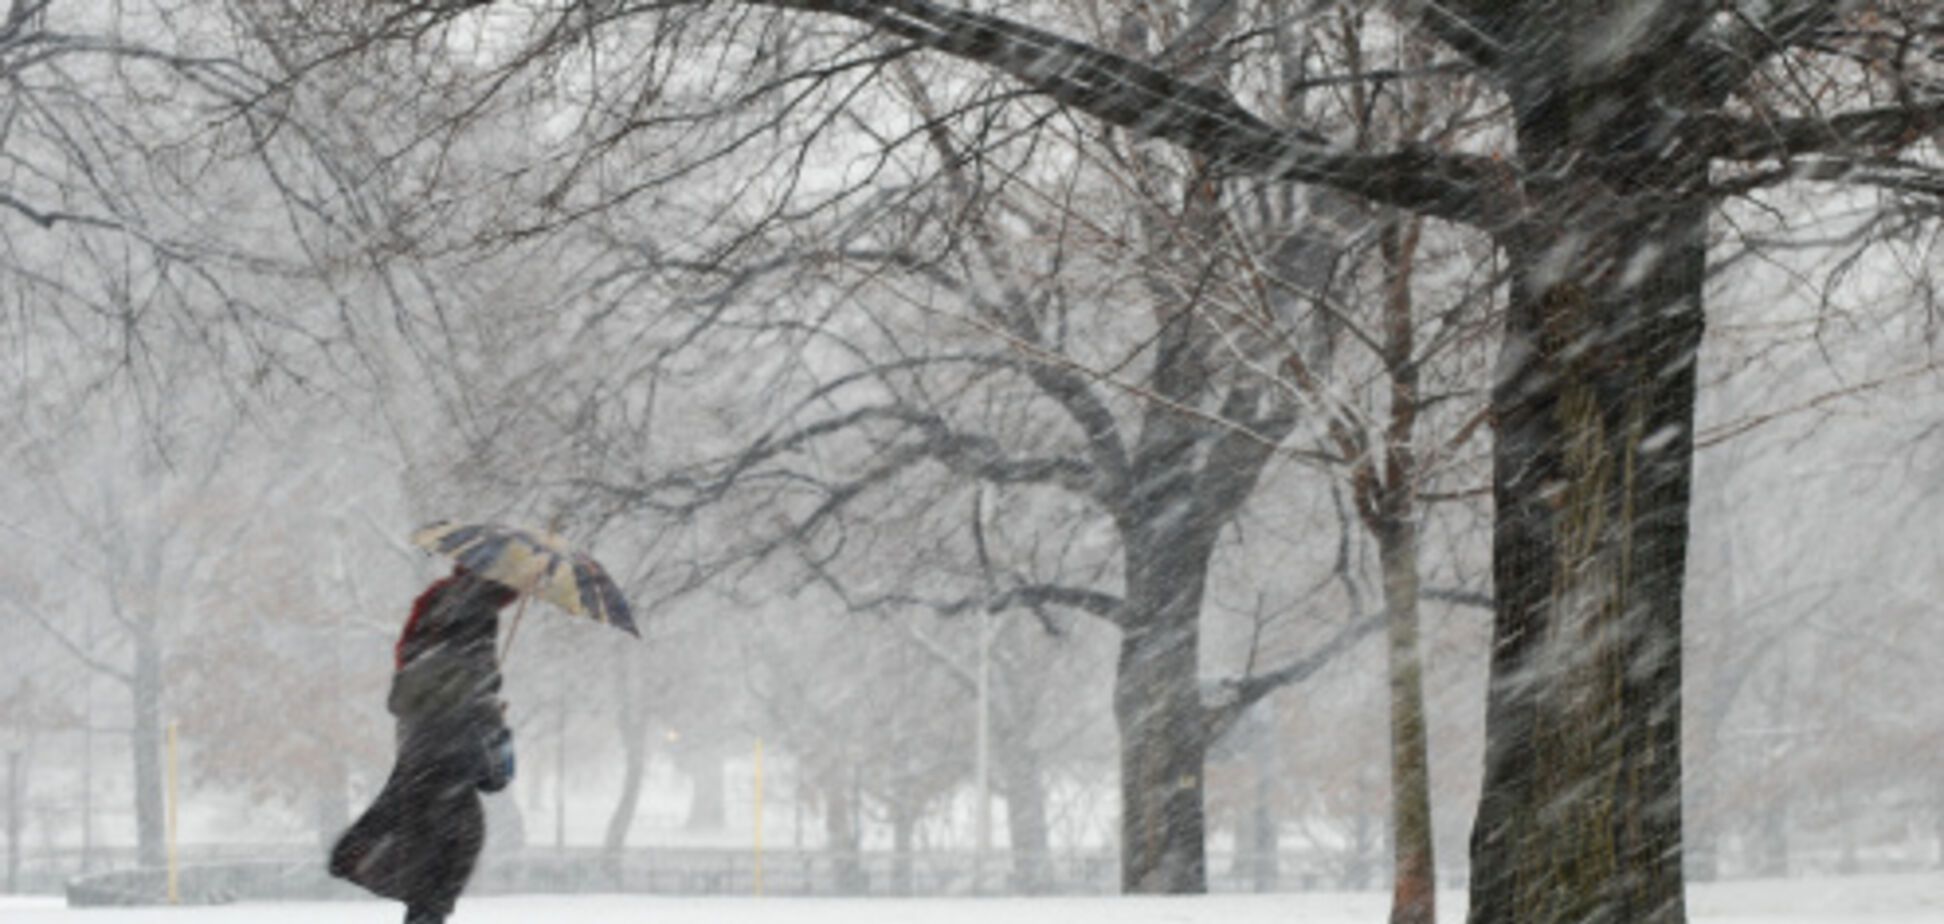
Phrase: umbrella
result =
(533, 562)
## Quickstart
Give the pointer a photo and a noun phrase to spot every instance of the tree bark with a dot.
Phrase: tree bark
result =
(1389, 496)
(1162, 722)
(1580, 818)
(1414, 871)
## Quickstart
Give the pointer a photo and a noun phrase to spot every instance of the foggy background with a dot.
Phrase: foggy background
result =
(274, 343)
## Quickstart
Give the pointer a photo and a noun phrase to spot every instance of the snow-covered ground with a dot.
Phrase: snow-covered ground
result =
(1860, 900)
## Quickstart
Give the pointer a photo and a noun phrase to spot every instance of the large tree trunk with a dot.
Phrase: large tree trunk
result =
(1414, 872)
(1162, 751)
(1580, 818)
(146, 745)
(1162, 722)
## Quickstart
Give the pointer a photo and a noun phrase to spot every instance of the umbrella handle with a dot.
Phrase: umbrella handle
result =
(515, 627)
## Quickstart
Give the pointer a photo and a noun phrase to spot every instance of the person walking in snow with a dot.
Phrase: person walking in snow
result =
(419, 840)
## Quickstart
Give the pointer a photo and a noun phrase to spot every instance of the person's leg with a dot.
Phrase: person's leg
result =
(463, 835)
(447, 845)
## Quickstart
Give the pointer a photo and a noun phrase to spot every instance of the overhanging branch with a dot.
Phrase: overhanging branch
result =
(1032, 596)
(1460, 597)
(1151, 102)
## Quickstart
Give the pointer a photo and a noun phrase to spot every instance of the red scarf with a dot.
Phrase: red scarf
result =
(419, 608)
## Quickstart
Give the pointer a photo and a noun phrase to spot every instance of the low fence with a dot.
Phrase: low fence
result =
(219, 874)
(209, 884)
(286, 874)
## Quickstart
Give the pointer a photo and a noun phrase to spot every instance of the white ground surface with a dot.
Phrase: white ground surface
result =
(1915, 899)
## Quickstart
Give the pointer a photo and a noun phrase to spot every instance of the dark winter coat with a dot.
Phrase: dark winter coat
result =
(418, 841)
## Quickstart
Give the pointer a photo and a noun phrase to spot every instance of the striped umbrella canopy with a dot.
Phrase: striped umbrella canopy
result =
(533, 562)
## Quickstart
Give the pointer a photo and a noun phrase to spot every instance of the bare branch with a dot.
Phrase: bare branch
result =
(67, 644)
(1104, 605)
(1464, 26)
(1151, 102)
(1871, 130)
(1238, 695)
(48, 219)
(1729, 53)
(1460, 597)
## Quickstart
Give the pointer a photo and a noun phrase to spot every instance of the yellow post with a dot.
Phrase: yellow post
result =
(759, 816)
(175, 897)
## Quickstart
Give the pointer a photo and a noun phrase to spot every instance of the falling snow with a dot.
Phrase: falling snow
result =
(1325, 461)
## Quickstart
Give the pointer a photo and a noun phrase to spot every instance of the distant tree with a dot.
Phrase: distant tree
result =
(1037, 720)
(135, 222)
(29, 715)
(132, 218)
(136, 534)
(883, 733)
(305, 607)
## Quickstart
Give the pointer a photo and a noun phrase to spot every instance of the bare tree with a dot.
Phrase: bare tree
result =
(31, 710)
(296, 606)
(130, 533)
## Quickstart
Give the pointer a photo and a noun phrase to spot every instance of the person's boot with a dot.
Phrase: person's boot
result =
(418, 915)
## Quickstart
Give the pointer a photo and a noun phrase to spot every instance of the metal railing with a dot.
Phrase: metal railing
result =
(235, 872)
